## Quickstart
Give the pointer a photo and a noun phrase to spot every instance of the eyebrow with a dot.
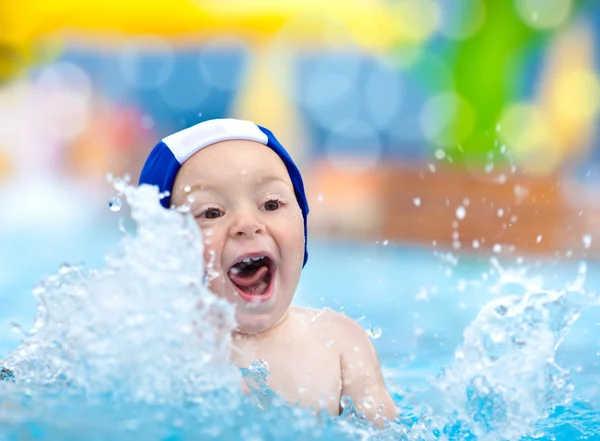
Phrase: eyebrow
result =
(270, 179)
(215, 188)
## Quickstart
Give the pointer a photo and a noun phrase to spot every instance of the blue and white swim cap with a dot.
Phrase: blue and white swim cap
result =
(167, 157)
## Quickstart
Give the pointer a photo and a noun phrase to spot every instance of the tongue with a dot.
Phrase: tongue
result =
(249, 281)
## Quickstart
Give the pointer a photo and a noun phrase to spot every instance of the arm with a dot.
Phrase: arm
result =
(362, 380)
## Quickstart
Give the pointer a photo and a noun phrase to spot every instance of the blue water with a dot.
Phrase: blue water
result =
(415, 302)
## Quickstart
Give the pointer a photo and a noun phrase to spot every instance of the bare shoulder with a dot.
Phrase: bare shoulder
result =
(341, 330)
(325, 318)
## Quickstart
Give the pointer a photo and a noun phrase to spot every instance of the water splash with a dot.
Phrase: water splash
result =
(145, 328)
(504, 378)
(141, 350)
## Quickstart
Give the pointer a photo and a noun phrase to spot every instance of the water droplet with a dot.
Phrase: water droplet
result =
(374, 332)
(431, 167)
(587, 240)
(456, 245)
(461, 212)
(500, 212)
(498, 336)
(455, 235)
(497, 248)
(329, 343)
(17, 328)
(191, 199)
(356, 349)
(187, 188)
(64, 268)
(475, 243)
(119, 184)
(440, 154)
(466, 202)
(422, 294)
(368, 402)
(501, 178)
(6, 374)
(346, 402)
(417, 202)
(489, 167)
(320, 197)
(498, 127)
(455, 224)
(109, 177)
(115, 204)
(385, 242)
(538, 239)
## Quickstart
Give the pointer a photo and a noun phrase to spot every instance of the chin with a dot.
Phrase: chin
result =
(254, 325)
(253, 320)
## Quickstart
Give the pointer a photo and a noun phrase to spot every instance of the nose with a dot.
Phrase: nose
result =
(247, 225)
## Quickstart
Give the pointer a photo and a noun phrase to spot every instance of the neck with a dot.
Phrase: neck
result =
(240, 334)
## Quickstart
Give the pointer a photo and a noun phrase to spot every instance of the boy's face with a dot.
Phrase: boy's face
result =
(243, 200)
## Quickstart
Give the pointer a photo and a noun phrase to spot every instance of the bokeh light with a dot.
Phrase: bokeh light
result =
(184, 88)
(526, 132)
(330, 94)
(447, 119)
(544, 14)
(417, 20)
(67, 94)
(382, 94)
(353, 145)
(215, 62)
(146, 62)
(461, 19)
(578, 92)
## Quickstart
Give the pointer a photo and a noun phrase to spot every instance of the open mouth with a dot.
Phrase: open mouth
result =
(252, 276)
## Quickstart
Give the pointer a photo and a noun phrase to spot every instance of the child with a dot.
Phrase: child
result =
(248, 198)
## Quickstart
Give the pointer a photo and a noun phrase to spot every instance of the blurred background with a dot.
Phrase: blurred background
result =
(463, 126)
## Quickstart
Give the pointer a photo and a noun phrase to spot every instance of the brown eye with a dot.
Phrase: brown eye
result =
(272, 205)
(212, 213)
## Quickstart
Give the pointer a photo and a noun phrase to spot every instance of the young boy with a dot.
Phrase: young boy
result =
(248, 198)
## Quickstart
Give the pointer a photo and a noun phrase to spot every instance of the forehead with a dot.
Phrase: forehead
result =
(226, 160)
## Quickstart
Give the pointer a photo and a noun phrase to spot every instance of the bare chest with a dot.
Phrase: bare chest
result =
(303, 374)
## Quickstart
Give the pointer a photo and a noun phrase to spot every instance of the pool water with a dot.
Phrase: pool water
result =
(471, 347)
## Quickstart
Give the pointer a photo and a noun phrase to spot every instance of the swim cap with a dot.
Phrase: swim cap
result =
(166, 158)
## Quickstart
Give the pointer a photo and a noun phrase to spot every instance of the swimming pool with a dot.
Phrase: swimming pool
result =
(419, 305)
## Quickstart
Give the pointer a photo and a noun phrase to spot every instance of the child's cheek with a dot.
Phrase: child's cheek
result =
(212, 252)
